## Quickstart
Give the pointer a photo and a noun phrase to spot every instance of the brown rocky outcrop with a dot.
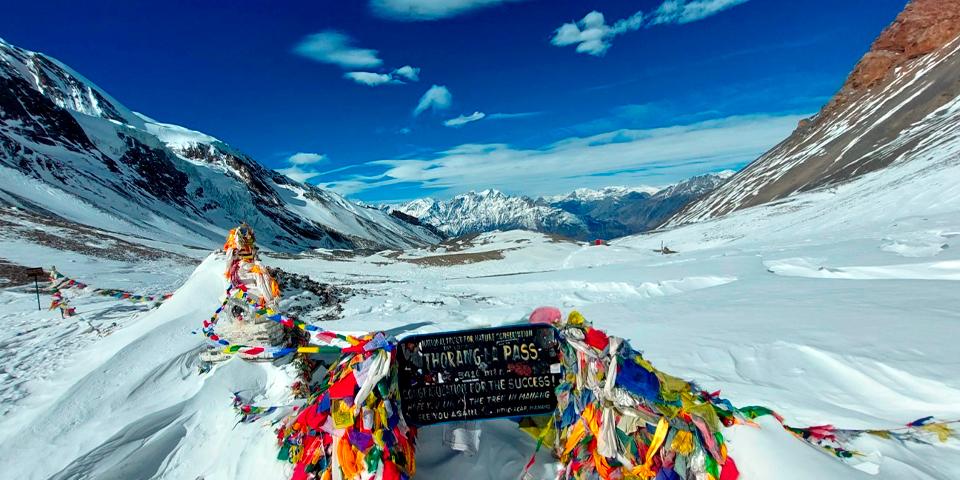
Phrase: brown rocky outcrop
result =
(922, 27)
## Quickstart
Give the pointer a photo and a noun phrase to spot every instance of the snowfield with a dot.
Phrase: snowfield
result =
(836, 306)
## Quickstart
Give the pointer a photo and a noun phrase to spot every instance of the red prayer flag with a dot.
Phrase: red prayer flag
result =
(344, 387)
(729, 471)
(597, 339)
(390, 470)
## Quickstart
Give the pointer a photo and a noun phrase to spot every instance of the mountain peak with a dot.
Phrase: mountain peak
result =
(64, 137)
(897, 100)
(589, 194)
(488, 193)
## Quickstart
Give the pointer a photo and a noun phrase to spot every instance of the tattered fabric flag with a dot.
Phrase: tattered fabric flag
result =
(351, 429)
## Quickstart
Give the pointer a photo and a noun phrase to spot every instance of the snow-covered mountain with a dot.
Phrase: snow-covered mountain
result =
(589, 194)
(70, 151)
(892, 106)
(626, 211)
(583, 214)
(489, 210)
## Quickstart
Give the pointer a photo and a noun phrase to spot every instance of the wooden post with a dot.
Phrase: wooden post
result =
(36, 272)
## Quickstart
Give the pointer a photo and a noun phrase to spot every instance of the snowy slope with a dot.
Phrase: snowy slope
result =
(912, 69)
(69, 150)
(831, 307)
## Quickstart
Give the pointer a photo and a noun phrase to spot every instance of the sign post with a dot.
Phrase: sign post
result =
(35, 273)
(479, 374)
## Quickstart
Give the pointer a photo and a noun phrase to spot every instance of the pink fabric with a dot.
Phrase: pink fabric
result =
(548, 315)
(707, 438)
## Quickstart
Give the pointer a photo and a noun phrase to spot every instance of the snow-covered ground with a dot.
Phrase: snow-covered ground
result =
(837, 307)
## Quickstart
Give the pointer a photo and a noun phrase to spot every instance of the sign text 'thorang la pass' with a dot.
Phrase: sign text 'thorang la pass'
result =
(476, 374)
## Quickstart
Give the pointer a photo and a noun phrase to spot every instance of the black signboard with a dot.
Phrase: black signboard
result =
(477, 374)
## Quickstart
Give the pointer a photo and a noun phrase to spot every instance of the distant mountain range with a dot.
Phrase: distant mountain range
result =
(583, 214)
(72, 154)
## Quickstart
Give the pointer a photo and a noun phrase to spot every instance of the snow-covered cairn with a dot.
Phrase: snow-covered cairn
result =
(249, 305)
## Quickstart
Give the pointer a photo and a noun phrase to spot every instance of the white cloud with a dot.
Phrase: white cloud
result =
(415, 10)
(477, 116)
(507, 116)
(631, 157)
(410, 73)
(680, 11)
(303, 166)
(302, 158)
(337, 49)
(592, 35)
(370, 79)
(437, 98)
(464, 119)
(373, 79)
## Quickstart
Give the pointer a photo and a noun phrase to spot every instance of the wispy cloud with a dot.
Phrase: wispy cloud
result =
(410, 73)
(680, 11)
(302, 166)
(337, 48)
(437, 98)
(477, 116)
(465, 119)
(399, 76)
(369, 79)
(593, 36)
(648, 156)
(418, 10)
(507, 116)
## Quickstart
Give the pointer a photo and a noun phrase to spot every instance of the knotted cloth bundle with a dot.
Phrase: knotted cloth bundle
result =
(352, 427)
(619, 418)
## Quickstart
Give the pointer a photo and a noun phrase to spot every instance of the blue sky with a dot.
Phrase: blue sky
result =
(396, 99)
